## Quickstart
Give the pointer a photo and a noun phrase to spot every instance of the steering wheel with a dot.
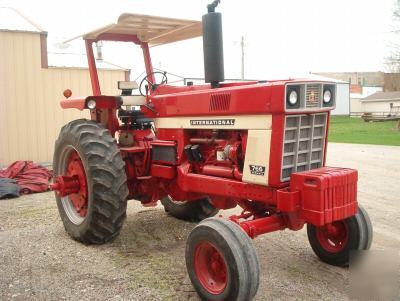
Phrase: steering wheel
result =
(150, 84)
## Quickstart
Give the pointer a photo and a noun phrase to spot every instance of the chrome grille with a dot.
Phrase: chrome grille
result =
(304, 142)
(313, 95)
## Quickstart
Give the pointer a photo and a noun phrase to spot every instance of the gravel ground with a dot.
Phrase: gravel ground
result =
(146, 262)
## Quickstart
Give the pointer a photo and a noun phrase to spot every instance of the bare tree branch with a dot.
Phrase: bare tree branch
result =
(393, 60)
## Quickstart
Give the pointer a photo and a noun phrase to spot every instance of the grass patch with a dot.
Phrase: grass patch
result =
(355, 130)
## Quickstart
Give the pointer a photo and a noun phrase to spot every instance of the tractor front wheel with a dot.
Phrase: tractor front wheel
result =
(333, 242)
(193, 211)
(95, 211)
(221, 261)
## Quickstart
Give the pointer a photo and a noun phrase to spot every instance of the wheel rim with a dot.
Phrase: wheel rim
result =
(210, 268)
(176, 202)
(333, 237)
(75, 204)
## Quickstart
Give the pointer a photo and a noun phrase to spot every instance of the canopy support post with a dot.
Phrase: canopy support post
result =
(92, 68)
(147, 62)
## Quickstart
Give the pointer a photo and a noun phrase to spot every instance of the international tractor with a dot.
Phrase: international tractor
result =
(259, 145)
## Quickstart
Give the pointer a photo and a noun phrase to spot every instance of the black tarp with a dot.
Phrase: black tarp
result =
(8, 188)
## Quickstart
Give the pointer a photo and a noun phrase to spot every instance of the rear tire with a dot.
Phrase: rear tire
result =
(221, 261)
(92, 146)
(334, 246)
(193, 211)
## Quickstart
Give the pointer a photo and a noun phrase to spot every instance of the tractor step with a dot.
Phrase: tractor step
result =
(132, 149)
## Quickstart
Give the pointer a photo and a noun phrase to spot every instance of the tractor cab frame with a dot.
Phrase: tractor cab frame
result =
(142, 30)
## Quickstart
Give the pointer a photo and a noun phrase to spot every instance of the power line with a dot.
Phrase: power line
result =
(242, 49)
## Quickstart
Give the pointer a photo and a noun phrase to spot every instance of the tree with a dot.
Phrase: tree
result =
(393, 60)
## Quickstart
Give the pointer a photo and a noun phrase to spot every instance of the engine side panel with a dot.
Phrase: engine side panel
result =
(256, 132)
(256, 164)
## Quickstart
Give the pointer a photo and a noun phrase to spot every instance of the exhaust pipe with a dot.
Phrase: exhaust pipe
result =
(213, 46)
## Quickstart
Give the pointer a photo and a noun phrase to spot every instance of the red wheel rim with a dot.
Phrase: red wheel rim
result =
(210, 268)
(75, 169)
(333, 237)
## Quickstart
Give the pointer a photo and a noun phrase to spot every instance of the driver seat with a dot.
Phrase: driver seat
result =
(128, 99)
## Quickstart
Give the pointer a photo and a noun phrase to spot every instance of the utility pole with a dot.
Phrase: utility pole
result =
(242, 48)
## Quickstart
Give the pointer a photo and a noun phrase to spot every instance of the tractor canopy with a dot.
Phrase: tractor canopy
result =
(146, 29)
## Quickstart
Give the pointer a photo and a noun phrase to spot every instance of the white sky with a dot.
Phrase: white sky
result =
(283, 37)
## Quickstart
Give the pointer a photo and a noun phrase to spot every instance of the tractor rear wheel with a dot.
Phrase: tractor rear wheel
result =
(86, 151)
(221, 261)
(193, 211)
(332, 243)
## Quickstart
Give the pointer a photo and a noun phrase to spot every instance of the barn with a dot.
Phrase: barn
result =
(32, 82)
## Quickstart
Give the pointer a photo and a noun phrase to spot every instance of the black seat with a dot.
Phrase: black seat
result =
(135, 119)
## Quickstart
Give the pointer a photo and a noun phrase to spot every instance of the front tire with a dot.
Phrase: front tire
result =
(192, 211)
(86, 151)
(221, 261)
(332, 243)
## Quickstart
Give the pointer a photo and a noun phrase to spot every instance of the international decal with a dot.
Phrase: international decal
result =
(312, 98)
(212, 122)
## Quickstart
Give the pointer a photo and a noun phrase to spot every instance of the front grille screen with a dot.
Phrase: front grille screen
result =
(313, 95)
(304, 142)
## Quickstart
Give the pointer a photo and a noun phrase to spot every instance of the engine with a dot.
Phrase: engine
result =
(217, 153)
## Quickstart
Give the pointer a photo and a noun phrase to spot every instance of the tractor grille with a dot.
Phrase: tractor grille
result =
(313, 95)
(304, 143)
(220, 102)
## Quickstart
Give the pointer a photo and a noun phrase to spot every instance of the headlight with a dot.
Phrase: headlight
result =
(327, 96)
(293, 97)
(91, 104)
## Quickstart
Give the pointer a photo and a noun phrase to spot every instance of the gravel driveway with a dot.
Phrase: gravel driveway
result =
(146, 262)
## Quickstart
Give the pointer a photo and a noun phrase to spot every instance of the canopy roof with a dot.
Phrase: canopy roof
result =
(149, 29)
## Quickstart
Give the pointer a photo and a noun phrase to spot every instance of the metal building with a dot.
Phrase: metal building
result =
(342, 94)
(31, 86)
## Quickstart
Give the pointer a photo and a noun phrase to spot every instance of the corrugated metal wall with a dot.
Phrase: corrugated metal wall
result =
(30, 114)
(342, 99)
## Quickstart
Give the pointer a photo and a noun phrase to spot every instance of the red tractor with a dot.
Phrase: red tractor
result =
(260, 145)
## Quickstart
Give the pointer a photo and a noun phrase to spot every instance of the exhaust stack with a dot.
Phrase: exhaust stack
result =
(213, 46)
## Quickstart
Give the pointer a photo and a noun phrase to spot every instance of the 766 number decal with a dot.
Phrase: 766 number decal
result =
(257, 170)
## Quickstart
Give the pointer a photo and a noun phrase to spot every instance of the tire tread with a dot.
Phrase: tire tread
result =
(108, 181)
(245, 258)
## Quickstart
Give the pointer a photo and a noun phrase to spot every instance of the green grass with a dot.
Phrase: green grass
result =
(355, 130)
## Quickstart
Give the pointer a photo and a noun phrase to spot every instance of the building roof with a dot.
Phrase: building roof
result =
(78, 60)
(315, 76)
(13, 20)
(149, 29)
(382, 96)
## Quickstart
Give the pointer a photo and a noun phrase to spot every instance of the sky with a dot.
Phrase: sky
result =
(282, 37)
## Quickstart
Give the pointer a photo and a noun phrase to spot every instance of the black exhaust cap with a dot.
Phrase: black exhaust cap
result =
(213, 46)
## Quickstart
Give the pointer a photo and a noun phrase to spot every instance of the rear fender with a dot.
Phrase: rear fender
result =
(102, 102)
(104, 113)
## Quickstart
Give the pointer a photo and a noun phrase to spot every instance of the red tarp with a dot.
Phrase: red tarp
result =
(29, 176)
